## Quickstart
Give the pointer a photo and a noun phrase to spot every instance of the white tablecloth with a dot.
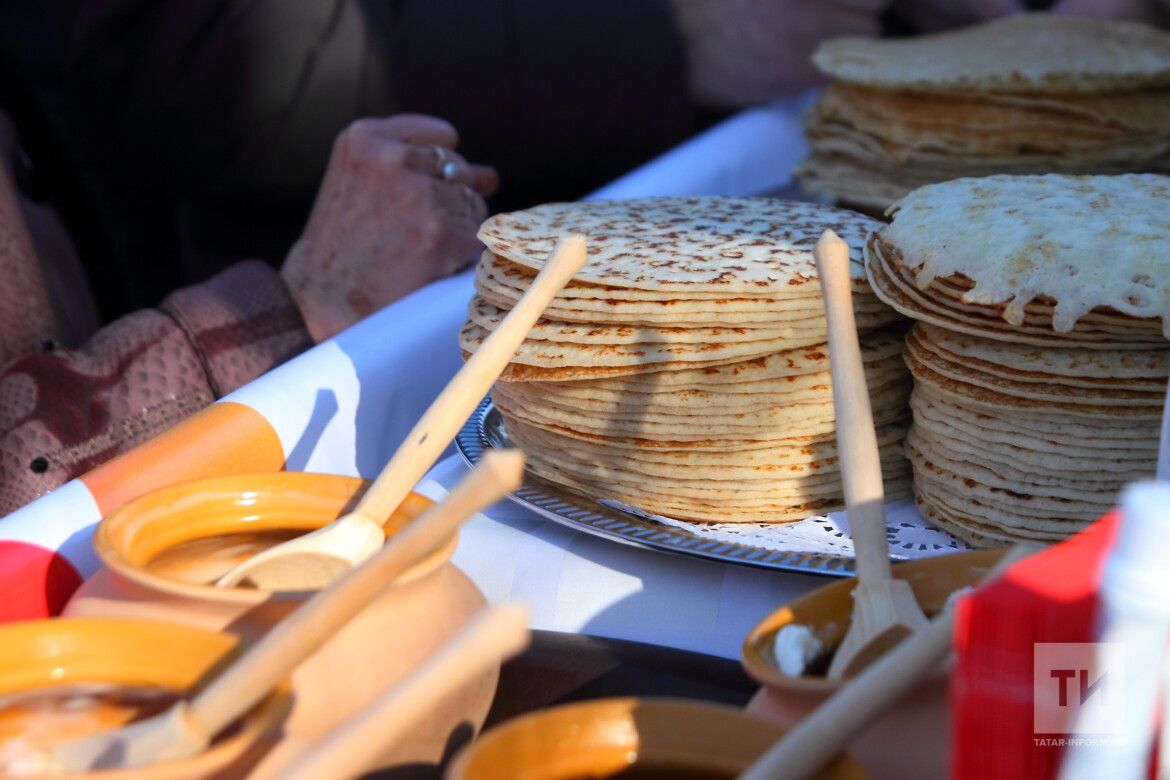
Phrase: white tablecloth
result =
(581, 583)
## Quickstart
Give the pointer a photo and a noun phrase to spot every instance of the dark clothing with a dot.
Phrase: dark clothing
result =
(207, 124)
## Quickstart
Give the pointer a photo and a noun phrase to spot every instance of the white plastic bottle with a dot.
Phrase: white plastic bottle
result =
(1133, 626)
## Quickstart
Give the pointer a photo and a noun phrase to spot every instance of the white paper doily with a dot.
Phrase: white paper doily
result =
(909, 535)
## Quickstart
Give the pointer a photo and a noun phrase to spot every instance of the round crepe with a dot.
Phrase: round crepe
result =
(1100, 329)
(1125, 370)
(665, 313)
(1017, 505)
(955, 386)
(801, 484)
(1016, 238)
(1019, 461)
(767, 463)
(989, 126)
(800, 428)
(629, 307)
(511, 278)
(701, 244)
(1023, 54)
(967, 523)
(871, 174)
(1012, 376)
(965, 124)
(1005, 432)
(646, 409)
(637, 356)
(1046, 471)
(877, 347)
(784, 509)
(712, 398)
(488, 317)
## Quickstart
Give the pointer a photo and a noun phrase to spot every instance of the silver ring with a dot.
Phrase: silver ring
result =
(440, 159)
(449, 170)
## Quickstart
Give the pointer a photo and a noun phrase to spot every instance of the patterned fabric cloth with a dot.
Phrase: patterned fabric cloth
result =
(63, 411)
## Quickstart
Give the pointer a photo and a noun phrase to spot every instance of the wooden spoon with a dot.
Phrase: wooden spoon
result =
(884, 609)
(816, 740)
(188, 727)
(316, 559)
(355, 746)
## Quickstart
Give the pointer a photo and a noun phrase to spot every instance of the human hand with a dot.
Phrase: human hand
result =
(397, 209)
(745, 52)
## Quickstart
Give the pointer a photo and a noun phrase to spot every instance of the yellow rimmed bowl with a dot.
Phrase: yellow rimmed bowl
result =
(71, 658)
(162, 552)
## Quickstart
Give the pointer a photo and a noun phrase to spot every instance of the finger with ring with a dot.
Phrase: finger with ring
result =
(461, 201)
(440, 159)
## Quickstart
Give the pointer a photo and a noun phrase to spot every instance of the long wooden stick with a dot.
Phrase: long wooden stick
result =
(317, 620)
(856, 439)
(884, 609)
(354, 748)
(446, 414)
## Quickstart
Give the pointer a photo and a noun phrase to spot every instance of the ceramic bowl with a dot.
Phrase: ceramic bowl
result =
(46, 656)
(921, 719)
(161, 551)
(675, 738)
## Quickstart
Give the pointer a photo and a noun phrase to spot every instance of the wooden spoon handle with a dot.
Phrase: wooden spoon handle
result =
(813, 742)
(861, 471)
(442, 420)
(355, 746)
(299, 635)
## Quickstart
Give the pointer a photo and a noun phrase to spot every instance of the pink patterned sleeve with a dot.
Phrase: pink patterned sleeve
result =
(63, 412)
(240, 323)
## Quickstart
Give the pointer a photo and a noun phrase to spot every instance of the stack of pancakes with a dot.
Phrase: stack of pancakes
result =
(684, 370)
(1031, 93)
(1040, 357)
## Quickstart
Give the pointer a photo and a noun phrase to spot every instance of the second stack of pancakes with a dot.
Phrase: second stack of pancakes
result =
(1028, 93)
(1040, 355)
(684, 371)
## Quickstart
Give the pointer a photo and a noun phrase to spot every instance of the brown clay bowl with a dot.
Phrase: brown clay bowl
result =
(911, 740)
(162, 551)
(55, 656)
